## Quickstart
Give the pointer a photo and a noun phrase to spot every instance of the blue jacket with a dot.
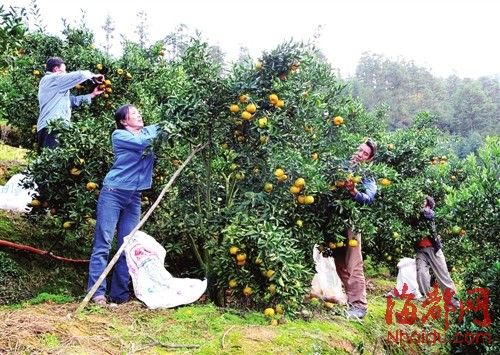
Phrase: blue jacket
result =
(133, 165)
(370, 190)
(54, 98)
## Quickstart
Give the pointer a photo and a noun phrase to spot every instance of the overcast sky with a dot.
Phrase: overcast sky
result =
(448, 37)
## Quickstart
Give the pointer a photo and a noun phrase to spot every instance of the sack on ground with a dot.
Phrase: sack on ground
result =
(13, 195)
(407, 274)
(326, 283)
(153, 284)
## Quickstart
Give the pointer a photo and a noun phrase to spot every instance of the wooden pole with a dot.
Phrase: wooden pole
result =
(113, 261)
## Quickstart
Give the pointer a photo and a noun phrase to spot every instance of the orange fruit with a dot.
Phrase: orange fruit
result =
(314, 156)
(239, 175)
(99, 66)
(36, 72)
(308, 200)
(390, 146)
(241, 257)
(251, 108)
(241, 263)
(273, 98)
(339, 183)
(262, 122)
(282, 177)
(269, 312)
(246, 115)
(67, 224)
(353, 243)
(270, 273)
(294, 190)
(247, 291)
(268, 187)
(119, 71)
(263, 139)
(299, 223)
(338, 120)
(301, 199)
(274, 322)
(279, 172)
(258, 65)
(385, 182)
(233, 283)
(271, 288)
(35, 203)
(243, 99)
(234, 250)
(234, 108)
(300, 182)
(234, 166)
(280, 103)
(279, 309)
(75, 171)
(107, 82)
(357, 179)
(340, 244)
(91, 186)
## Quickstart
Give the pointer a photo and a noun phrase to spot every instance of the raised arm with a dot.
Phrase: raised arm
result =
(123, 139)
(366, 197)
(66, 81)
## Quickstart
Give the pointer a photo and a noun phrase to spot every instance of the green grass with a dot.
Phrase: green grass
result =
(206, 329)
(8, 153)
(12, 161)
(48, 297)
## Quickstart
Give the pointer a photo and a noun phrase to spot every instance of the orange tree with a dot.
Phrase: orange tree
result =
(269, 187)
(249, 209)
(471, 213)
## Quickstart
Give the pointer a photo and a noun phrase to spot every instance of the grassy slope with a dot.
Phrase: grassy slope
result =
(131, 328)
(23, 275)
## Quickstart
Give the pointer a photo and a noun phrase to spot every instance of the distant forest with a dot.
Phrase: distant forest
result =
(467, 108)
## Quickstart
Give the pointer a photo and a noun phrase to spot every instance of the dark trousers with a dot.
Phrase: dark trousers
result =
(118, 210)
(46, 139)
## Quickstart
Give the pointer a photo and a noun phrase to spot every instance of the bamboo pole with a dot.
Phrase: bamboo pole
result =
(113, 261)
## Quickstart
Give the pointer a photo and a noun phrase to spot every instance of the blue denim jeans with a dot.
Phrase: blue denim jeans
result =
(116, 210)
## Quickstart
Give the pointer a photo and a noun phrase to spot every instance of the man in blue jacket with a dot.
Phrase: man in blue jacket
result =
(55, 100)
(349, 260)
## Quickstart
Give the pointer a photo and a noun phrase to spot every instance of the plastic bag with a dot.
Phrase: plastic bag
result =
(326, 283)
(407, 274)
(14, 197)
(153, 284)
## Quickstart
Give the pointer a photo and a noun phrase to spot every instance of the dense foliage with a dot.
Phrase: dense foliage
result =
(269, 186)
